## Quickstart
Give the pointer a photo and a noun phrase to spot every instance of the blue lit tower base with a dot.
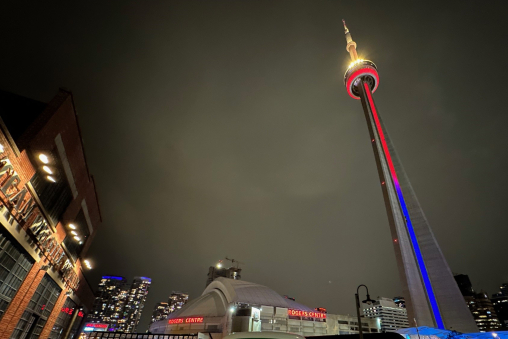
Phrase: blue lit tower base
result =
(432, 295)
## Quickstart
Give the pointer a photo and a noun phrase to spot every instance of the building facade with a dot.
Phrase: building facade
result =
(119, 305)
(483, 312)
(500, 302)
(110, 300)
(390, 316)
(160, 312)
(431, 294)
(49, 216)
(229, 305)
(135, 303)
(177, 300)
(479, 304)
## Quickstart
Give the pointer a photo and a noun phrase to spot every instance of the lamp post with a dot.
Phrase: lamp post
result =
(367, 301)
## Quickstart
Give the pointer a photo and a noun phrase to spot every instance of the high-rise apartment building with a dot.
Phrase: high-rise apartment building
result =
(177, 300)
(49, 214)
(391, 317)
(119, 304)
(109, 301)
(500, 302)
(135, 303)
(160, 312)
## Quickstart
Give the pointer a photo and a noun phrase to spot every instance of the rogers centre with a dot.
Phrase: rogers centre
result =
(228, 306)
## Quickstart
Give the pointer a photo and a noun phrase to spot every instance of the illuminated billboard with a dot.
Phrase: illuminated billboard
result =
(98, 327)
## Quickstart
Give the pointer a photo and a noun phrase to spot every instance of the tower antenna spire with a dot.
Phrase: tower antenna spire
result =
(351, 45)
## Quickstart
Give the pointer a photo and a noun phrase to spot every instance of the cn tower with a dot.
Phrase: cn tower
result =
(432, 295)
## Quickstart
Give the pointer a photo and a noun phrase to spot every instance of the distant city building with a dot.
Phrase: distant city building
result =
(109, 301)
(135, 303)
(215, 272)
(465, 286)
(500, 302)
(479, 305)
(177, 300)
(391, 317)
(118, 304)
(229, 305)
(400, 302)
(160, 312)
(483, 312)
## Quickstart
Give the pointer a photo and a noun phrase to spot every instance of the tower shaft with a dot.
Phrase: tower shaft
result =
(433, 298)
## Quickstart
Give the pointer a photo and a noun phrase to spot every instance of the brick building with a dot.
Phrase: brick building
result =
(49, 215)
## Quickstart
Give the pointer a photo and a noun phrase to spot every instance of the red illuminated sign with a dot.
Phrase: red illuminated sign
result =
(70, 311)
(190, 320)
(96, 325)
(308, 314)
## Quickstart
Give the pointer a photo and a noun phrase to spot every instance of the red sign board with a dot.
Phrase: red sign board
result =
(190, 320)
(96, 325)
(308, 314)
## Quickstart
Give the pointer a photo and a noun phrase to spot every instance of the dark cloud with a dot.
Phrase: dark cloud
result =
(223, 128)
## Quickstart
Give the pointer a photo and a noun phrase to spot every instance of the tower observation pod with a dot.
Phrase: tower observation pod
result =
(432, 296)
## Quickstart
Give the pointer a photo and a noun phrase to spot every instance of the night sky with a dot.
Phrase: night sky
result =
(223, 128)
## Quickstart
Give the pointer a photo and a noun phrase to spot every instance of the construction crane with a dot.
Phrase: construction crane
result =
(235, 262)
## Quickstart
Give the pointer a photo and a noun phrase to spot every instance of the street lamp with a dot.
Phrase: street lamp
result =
(367, 301)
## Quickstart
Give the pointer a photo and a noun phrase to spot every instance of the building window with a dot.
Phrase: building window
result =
(14, 267)
(343, 322)
(55, 196)
(38, 310)
(63, 320)
(73, 246)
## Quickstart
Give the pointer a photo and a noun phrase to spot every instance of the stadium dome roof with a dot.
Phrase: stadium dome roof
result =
(223, 291)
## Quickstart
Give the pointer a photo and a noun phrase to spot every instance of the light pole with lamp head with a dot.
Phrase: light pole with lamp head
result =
(367, 301)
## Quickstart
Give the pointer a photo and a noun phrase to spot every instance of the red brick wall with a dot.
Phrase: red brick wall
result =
(21, 300)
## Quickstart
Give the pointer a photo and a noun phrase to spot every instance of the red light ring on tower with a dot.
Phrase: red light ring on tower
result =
(359, 73)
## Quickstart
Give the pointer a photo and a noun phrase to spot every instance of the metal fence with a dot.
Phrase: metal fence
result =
(110, 335)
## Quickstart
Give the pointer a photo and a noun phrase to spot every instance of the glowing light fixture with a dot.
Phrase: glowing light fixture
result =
(77, 238)
(74, 233)
(219, 265)
(47, 169)
(50, 178)
(88, 265)
(44, 158)
(1, 148)
(72, 227)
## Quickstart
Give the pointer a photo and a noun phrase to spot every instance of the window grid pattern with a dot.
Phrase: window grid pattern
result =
(14, 267)
(63, 320)
(39, 308)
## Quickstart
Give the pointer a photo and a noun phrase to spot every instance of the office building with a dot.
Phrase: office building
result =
(160, 312)
(390, 316)
(500, 303)
(118, 305)
(229, 305)
(177, 300)
(431, 294)
(465, 286)
(49, 216)
(479, 305)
